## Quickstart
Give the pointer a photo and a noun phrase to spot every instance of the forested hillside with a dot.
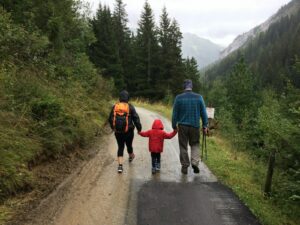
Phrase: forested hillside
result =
(149, 63)
(52, 98)
(256, 93)
(243, 40)
(271, 54)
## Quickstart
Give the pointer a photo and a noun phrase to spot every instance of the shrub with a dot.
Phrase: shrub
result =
(46, 109)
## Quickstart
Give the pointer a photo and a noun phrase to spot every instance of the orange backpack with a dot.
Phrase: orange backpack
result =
(120, 119)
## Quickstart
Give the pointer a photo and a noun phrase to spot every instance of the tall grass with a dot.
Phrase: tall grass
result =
(44, 118)
(246, 177)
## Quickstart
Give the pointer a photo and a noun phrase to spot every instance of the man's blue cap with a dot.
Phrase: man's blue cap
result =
(188, 85)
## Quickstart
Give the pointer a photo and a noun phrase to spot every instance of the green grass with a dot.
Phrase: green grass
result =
(4, 214)
(64, 122)
(40, 120)
(245, 176)
(157, 107)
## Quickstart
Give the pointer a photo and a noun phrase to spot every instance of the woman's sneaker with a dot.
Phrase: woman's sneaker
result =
(131, 157)
(120, 169)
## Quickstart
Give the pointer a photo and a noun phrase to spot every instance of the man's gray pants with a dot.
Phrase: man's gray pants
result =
(189, 135)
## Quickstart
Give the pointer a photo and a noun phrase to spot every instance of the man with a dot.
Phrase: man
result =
(187, 110)
(123, 119)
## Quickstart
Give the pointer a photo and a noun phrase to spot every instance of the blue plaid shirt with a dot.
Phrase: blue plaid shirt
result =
(187, 110)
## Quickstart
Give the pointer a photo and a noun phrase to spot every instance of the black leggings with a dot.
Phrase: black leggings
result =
(122, 139)
(155, 158)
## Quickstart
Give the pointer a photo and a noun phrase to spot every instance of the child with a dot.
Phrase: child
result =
(156, 142)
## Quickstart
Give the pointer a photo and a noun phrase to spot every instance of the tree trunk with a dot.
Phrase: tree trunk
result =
(271, 165)
(149, 62)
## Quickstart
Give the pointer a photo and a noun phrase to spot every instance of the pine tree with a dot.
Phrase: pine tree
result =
(58, 20)
(177, 70)
(103, 52)
(242, 94)
(171, 66)
(123, 40)
(147, 50)
(131, 70)
(165, 52)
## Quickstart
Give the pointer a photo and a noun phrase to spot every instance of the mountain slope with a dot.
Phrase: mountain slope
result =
(203, 50)
(243, 39)
(270, 55)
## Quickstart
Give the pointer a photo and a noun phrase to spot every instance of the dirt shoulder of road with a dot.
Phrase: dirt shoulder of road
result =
(48, 178)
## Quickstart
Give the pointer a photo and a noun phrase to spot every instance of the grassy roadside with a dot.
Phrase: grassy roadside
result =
(246, 178)
(157, 107)
(40, 122)
(243, 174)
(3, 214)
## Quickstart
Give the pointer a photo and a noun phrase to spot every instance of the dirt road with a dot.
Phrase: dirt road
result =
(97, 195)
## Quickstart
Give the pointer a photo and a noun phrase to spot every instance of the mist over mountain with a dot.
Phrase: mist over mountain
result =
(245, 38)
(203, 50)
(271, 50)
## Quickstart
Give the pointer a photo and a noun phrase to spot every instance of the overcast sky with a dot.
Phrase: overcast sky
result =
(217, 20)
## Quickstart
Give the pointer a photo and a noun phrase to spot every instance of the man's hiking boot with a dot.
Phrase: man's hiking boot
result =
(196, 169)
(153, 170)
(131, 157)
(184, 170)
(120, 169)
(157, 167)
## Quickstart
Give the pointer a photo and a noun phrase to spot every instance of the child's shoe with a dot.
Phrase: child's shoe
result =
(157, 167)
(153, 170)
(120, 168)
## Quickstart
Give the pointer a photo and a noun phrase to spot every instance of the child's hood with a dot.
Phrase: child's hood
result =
(158, 125)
